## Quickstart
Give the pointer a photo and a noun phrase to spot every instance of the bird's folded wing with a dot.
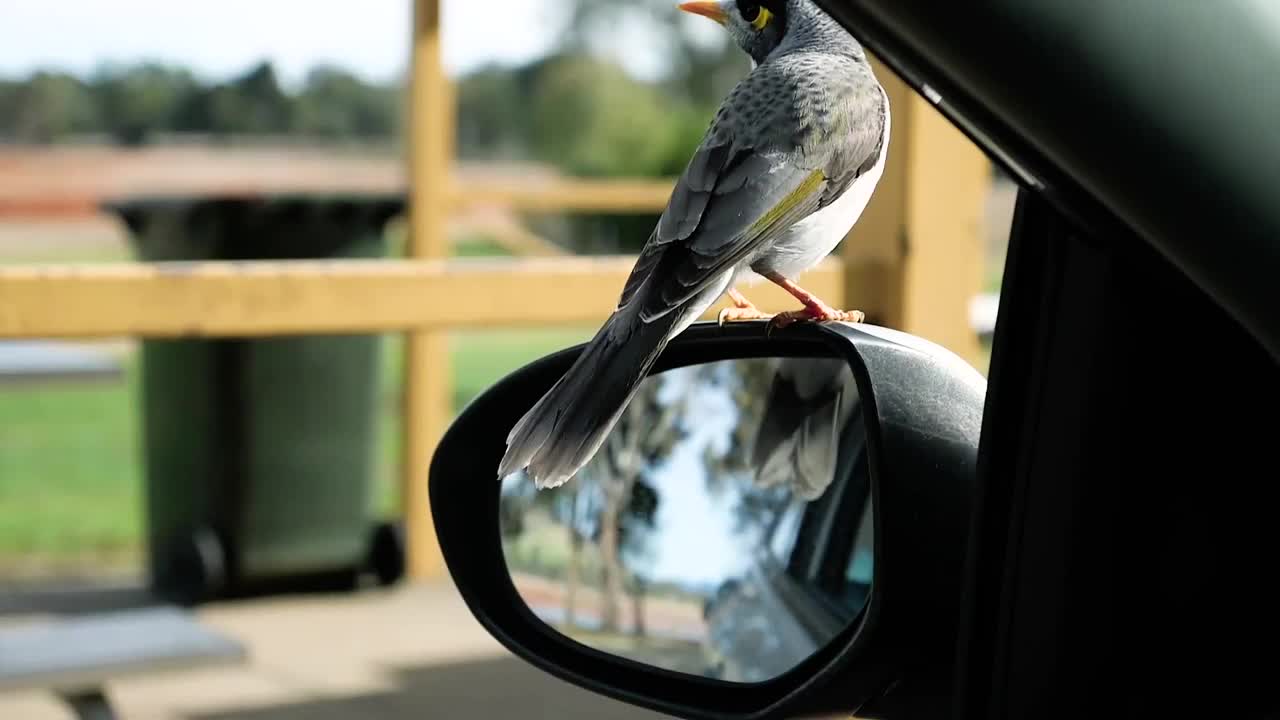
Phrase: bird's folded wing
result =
(730, 201)
(756, 173)
(683, 212)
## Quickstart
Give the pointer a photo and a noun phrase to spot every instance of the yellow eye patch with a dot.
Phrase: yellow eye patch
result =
(762, 19)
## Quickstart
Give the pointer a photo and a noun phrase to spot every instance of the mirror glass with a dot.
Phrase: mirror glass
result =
(722, 530)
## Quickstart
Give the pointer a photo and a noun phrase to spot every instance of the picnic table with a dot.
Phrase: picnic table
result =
(77, 657)
(33, 361)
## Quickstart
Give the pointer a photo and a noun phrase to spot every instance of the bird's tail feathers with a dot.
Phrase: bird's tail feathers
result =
(563, 430)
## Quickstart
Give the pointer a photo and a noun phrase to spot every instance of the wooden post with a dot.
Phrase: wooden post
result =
(427, 374)
(914, 260)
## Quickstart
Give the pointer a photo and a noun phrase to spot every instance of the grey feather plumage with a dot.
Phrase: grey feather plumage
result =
(791, 139)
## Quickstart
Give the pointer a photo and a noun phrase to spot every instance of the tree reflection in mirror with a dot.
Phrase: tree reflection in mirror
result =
(722, 530)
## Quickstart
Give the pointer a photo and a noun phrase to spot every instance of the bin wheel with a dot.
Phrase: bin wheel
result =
(386, 553)
(195, 567)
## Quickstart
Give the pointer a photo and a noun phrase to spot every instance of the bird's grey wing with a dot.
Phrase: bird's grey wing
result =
(746, 165)
(744, 187)
(684, 209)
(758, 195)
(784, 412)
(798, 450)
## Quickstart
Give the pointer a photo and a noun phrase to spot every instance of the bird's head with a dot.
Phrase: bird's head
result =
(758, 26)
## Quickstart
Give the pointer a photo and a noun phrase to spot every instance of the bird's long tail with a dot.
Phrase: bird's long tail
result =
(560, 434)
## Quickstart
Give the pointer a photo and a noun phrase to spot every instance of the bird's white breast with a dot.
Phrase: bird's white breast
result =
(813, 238)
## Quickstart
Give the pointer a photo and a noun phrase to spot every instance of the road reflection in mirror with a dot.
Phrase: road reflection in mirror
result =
(723, 529)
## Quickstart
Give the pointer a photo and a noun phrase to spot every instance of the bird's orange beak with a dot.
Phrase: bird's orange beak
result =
(705, 9)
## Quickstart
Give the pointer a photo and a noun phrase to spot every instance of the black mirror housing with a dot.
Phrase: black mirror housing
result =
(923, 410)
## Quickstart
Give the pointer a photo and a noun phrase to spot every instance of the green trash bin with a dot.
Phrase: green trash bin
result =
(259, 452)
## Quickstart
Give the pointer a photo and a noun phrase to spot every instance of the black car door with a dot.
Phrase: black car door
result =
(1125, 526)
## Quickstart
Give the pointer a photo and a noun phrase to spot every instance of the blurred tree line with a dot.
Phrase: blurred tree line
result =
(580, 111)
(577, 109)
(132, 103)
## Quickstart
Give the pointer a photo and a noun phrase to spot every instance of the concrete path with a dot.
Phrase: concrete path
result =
(414, 652)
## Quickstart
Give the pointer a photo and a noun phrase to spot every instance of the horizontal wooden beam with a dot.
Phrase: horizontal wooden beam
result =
(330, 297)
(564, 195)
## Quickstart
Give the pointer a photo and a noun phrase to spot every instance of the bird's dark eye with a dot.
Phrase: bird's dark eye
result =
(760, 15)
(755, 15)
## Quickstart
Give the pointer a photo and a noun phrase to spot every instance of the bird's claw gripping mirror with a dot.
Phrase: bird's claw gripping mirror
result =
(774, 526)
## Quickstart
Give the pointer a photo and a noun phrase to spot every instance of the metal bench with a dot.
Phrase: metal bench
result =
(26, 362)
(76, 657)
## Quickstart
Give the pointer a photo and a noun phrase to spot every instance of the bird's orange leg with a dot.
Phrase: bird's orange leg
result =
(742, 309)
(814, 308)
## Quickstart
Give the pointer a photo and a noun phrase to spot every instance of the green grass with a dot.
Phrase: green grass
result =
(993, 279)
(479, 247)
(71, 468)
(479, 358)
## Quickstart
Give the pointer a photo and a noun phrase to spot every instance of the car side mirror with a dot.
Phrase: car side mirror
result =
(775, 527)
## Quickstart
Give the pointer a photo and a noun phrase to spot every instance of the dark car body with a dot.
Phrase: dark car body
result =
(1126, 491)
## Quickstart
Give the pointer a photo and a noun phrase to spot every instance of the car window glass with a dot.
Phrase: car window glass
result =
(858, 570)
(784, 536)
(853, 592)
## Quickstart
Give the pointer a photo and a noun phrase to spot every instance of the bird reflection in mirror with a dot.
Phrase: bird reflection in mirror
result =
(806, 408)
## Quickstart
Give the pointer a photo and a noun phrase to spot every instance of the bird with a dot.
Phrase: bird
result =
(807, 407)
(783, 172)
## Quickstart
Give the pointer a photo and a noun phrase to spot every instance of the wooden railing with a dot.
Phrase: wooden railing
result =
(913, 262)
(317, 297)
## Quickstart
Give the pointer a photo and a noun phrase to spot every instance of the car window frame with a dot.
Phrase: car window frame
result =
(811, 581)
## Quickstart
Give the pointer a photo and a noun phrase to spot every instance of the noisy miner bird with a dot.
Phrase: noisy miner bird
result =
(783, 172)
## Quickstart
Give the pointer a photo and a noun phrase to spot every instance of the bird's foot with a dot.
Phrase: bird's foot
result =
(736, 313)
(818, 311)
(743, 309)
(814, 308)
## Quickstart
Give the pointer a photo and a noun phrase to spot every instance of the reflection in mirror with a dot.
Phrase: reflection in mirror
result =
(722, 530)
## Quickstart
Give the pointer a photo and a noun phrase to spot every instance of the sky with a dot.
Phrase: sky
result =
(695, 541)
(218, 40)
